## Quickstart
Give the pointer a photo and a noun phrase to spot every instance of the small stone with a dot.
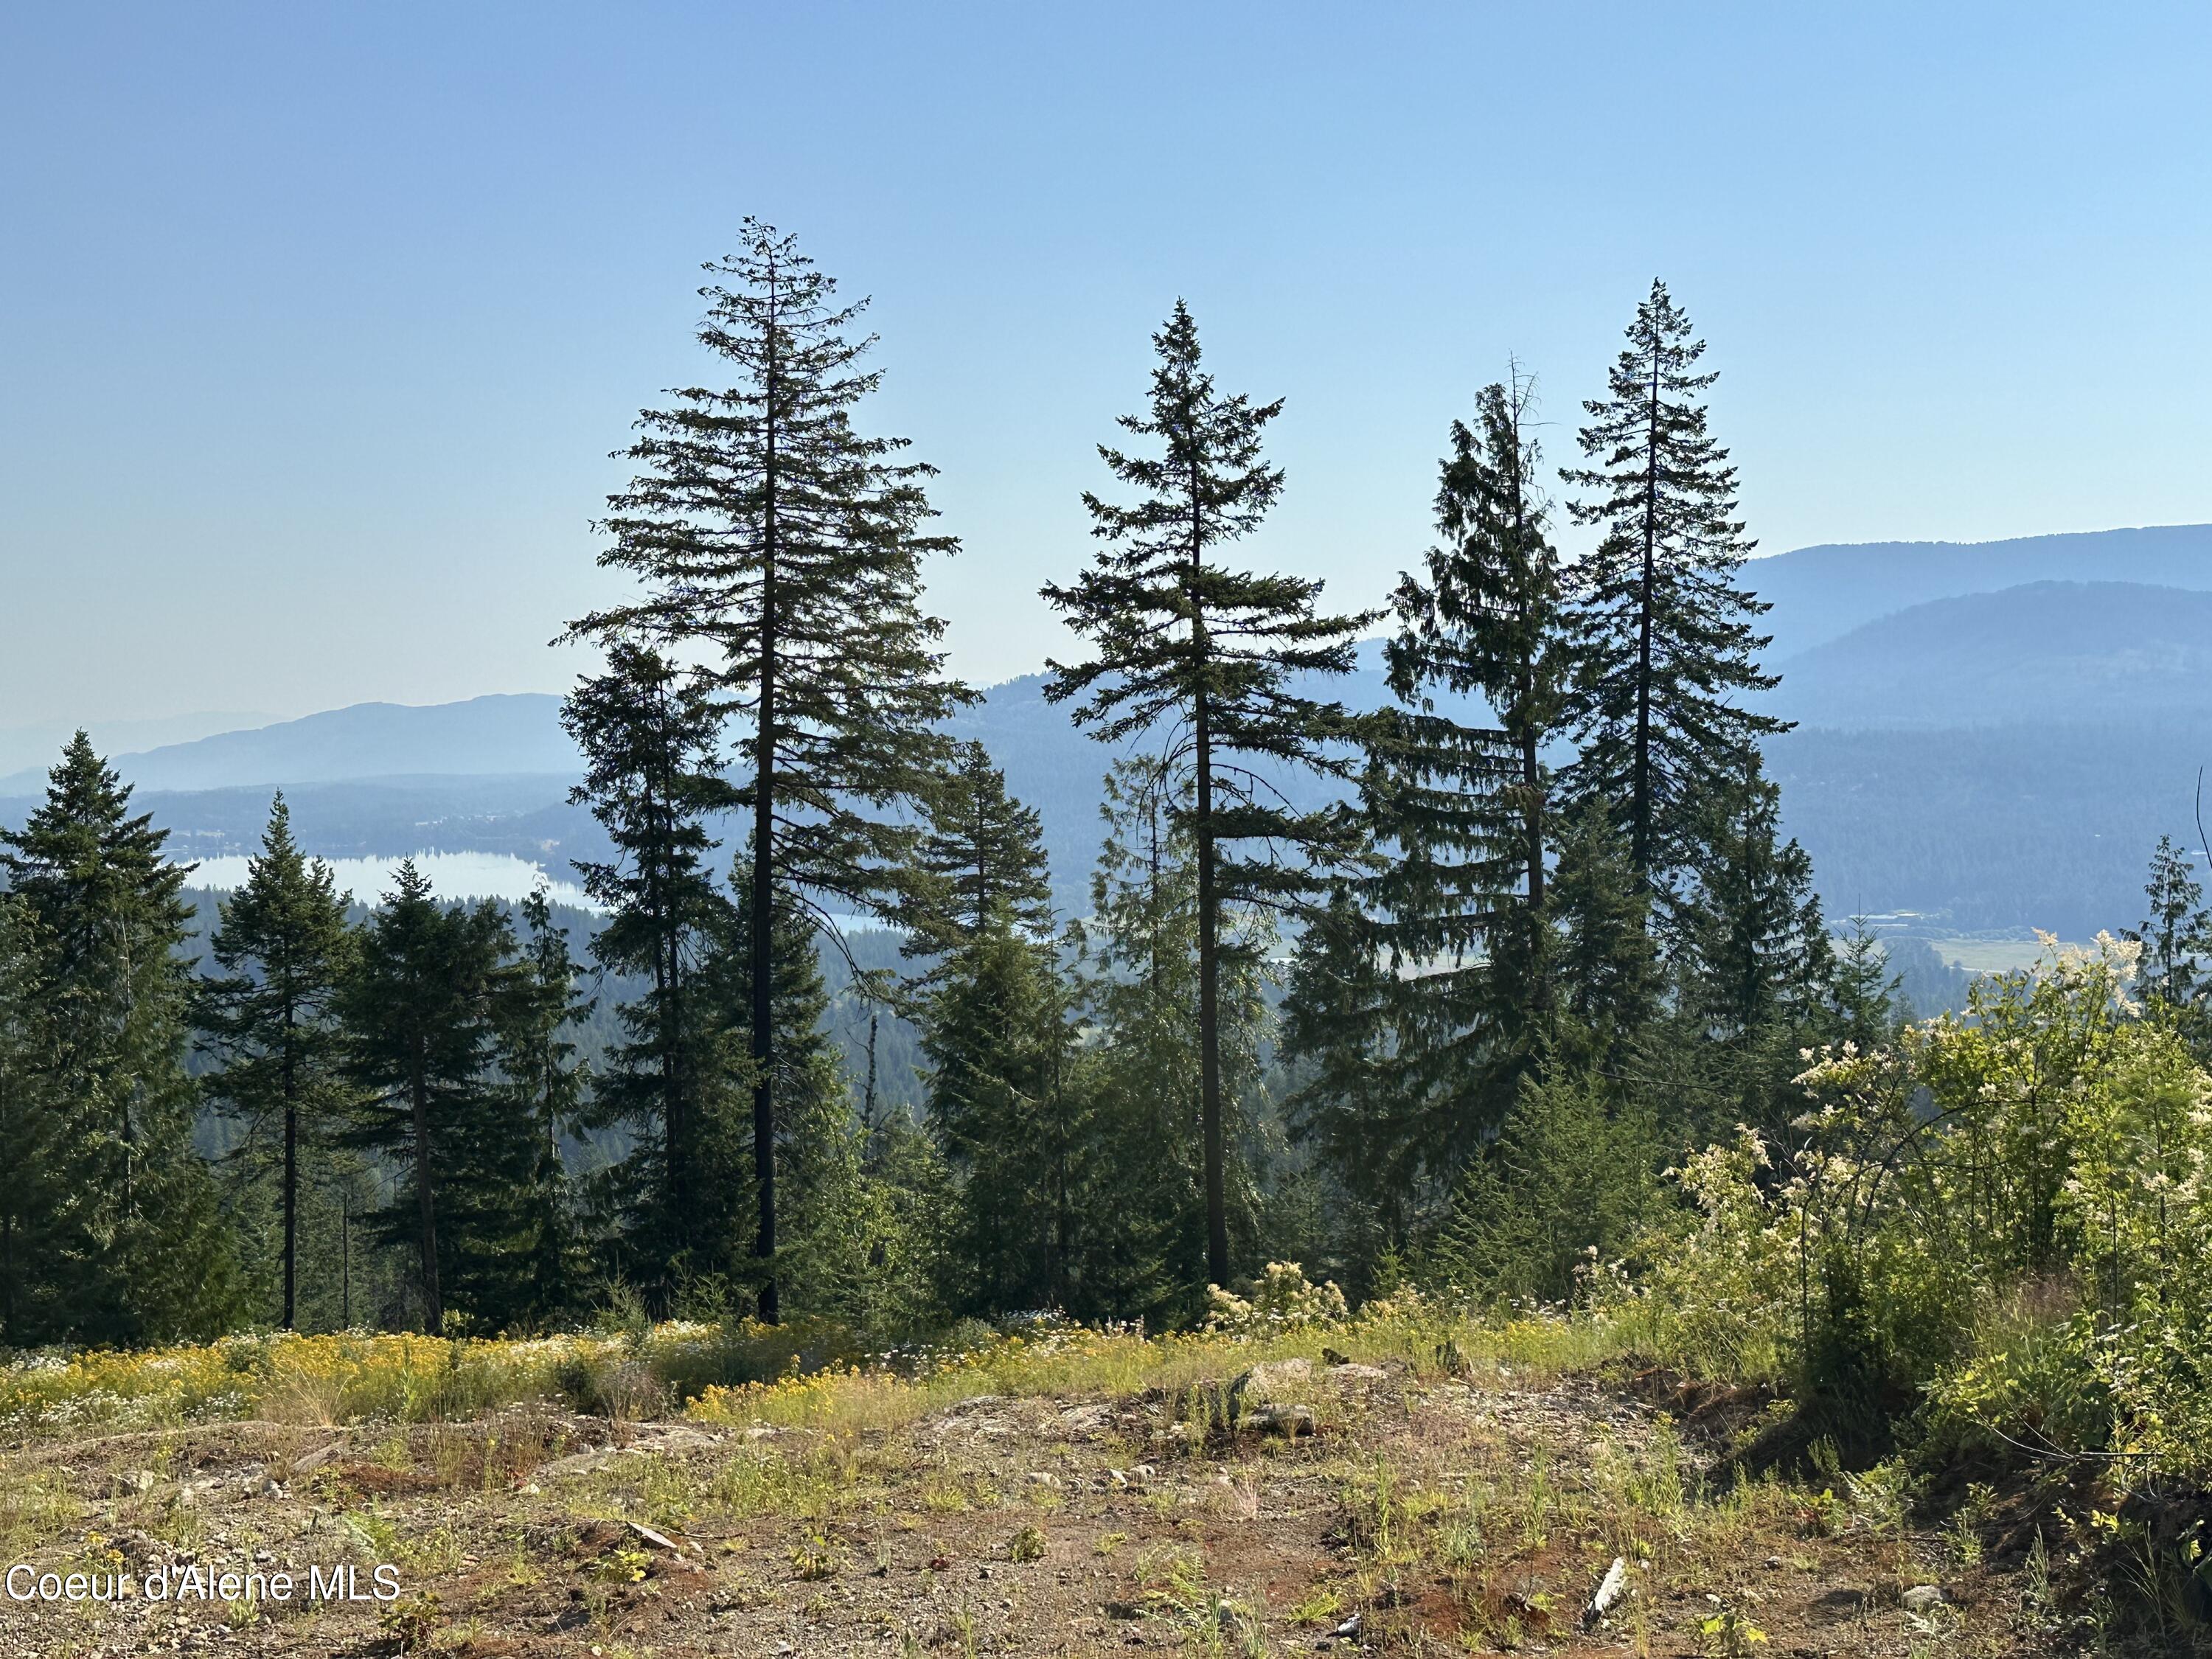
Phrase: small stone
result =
(1921, 1597)
(1272, 1380)
(1610, 1589)
(1290, 1420)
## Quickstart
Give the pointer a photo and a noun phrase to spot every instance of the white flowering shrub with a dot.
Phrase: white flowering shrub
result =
(2007, 1214)
(1281, 1299)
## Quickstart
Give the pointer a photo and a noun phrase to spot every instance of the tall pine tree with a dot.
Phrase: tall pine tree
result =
(421, 1036)
(776, 539)
(1130, 1150)
(994, 1024)
(269, 1020)
(648, 733)
(135, 1252)
(1190, 646)
(1460, 807)
(1667, 651)
(537, 1063)
(48, 1162)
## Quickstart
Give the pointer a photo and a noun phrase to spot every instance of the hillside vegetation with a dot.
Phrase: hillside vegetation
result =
(1403, 1481)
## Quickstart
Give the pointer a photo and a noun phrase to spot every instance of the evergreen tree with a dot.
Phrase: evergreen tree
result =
(421, 1038)
(1186, 641)
(771, 534)
(982, 861)
(1667, 646)
(995, 1028)
(2176, 936)
(537, 1060)
(1455, 909)
(1144, 1249)
(1606, 964)
(135, 1251)
(1751, 935)
(49, 1164)
(648, 731)
(269, 1021)
(857, 1245)
(1342, 1024)
(1486, 622)
(1573, 1171)
(1754, 966)
(1867, 1006)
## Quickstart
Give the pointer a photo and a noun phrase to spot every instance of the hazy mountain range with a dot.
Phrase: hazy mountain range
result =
(1992, 735)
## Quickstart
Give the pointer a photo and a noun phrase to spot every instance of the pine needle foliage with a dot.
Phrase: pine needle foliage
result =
(1667, 647)
(419, 1011)
(1198, 651)
(1437, 1034)
(994, 1017)
(127, 1244)
(783, 549)
(269, 1020)
(539, 1009)
(1750, 937)
(981, 865)
(2176, 935)
(650, 739)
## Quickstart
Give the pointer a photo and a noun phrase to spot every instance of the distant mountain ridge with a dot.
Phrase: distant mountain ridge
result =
(505, 733)
(1821, 593)
(2055, 653)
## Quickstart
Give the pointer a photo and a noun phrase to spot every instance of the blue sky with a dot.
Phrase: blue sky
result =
(317, 323)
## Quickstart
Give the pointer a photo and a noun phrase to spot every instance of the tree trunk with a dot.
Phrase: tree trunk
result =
(1209, 1022)
(291, 1211)
(764, 872)
(433, 1304)
(1640, 848)
(291, 1177)
(1531, 784)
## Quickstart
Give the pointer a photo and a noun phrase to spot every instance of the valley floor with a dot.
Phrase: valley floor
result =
(1423, 1515)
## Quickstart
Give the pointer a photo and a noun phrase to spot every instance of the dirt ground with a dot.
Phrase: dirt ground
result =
(1437, 1516)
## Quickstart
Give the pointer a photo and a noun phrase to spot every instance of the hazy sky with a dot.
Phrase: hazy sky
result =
(317, 323)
